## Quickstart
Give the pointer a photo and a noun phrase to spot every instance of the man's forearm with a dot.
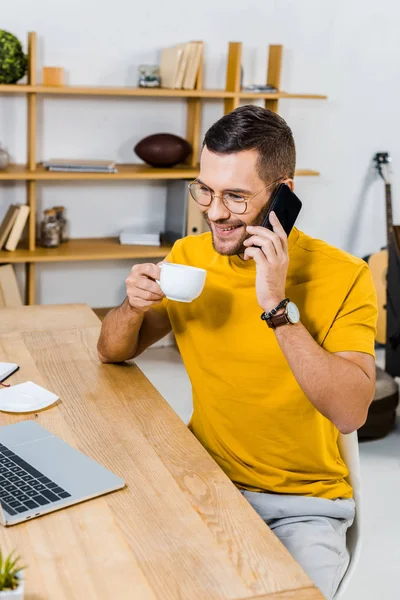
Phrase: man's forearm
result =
(338, 388)
(119, 335)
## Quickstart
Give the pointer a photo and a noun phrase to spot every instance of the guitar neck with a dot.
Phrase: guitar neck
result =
(389, 213)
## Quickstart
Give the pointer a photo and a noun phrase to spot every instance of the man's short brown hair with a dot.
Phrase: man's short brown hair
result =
(254, 128)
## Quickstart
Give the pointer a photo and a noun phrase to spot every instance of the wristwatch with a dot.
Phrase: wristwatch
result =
(290, 316)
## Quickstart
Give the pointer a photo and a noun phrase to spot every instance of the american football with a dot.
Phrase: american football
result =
(163, 149)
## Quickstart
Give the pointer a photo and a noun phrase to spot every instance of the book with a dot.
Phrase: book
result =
(7, 223)
(155, 241)
(9, 290)
(169, 65)
(193, 67)
(80, 164)
(66, 165)
(16, 231)
(141, 243)
(262, 89)
(180, 75)
(139, 237)
(57, 169)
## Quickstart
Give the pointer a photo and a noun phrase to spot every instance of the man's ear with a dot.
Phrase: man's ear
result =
(289, 183)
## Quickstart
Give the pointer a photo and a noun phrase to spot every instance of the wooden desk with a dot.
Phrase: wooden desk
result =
(180, 530)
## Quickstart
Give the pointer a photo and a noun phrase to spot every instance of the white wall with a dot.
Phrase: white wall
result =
(346, 49)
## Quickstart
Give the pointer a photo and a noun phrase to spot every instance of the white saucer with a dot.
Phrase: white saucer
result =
(25, 397)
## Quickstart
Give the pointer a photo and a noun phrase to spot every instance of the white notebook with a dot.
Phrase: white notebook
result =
(7, 369)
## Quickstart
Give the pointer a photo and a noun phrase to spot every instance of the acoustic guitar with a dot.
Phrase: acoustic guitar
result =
(385, 273)
(378, 262)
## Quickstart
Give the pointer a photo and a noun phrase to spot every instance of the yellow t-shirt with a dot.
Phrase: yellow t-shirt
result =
(249, 411)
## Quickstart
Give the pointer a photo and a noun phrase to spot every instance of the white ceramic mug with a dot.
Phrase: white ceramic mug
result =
(181, 282)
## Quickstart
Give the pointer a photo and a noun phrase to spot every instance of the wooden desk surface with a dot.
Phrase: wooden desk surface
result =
(180, 530)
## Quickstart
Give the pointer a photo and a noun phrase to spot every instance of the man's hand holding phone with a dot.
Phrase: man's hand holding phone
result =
(268, 246)
(269, 249)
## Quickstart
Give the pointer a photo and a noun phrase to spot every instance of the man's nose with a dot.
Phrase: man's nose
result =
(218, 210)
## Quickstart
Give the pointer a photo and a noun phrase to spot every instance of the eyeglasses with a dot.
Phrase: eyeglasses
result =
(235, 203)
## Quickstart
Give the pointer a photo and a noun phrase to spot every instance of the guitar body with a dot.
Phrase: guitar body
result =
(384, 266)
(378, 264)
(382, 412)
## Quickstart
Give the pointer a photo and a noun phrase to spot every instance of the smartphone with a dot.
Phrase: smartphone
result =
(286, 206)
(6, 370)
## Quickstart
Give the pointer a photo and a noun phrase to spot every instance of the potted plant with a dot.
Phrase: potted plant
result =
(11, 582)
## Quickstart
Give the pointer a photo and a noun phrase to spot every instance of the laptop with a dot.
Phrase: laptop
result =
(40, 473)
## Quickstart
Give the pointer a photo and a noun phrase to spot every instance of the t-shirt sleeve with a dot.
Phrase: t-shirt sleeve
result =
(354, 326)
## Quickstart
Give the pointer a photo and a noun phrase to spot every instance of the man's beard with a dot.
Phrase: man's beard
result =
(238, 247)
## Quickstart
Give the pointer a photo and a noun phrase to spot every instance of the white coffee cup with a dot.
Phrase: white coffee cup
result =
(181, 282)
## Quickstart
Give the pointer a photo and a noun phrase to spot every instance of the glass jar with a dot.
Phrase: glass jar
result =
(50, 229)
(149, 76)
(60, 214)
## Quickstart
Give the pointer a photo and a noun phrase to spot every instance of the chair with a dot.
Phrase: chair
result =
(348, 446)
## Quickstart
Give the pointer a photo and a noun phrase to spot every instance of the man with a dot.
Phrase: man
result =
(269, 401)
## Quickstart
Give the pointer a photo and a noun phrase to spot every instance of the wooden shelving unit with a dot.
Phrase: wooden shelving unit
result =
(109, 248)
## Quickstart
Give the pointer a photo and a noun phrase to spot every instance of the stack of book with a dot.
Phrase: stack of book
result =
(180, 65)
(13, 225)
(80, 166)
(139, 238)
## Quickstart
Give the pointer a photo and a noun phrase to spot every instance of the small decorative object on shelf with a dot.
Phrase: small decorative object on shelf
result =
(50, 236)
(163, 150)
(60, 214)
(13, 61)
(11, 582)
(4, 157)
(149, 76)
(53, 76)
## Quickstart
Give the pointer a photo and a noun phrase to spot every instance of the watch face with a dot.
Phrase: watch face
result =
(293, 312)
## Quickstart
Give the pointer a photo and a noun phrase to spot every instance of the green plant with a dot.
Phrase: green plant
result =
(13, 62)
(9, 569)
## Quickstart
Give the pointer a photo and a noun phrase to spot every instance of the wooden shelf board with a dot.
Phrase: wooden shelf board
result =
(125, 172)
(306, 173)
(17, 88)
(131, 92)
(72, 90)
(84, 249)
(303, 96)
(129, 171)
(278, 96)
(77, 90)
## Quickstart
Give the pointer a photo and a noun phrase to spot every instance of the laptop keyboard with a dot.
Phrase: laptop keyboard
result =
(22, 487)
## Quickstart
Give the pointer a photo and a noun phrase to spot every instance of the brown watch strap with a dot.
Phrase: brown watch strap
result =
(277, 321)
